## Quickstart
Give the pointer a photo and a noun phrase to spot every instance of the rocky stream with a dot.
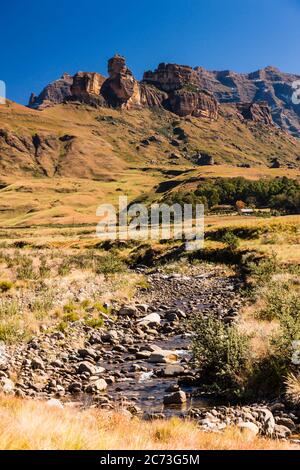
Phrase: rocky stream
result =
(140, 361)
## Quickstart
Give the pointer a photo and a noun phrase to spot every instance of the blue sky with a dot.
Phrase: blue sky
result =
(42, 39)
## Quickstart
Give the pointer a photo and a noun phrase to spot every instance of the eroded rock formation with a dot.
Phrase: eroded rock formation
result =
(170, 77)
(55, 93)
(264, 96)
(122, 90)
(185, 96)
(86, 88)
(256, 112)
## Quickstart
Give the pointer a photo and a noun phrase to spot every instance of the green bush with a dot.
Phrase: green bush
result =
(231, 240)
(94, 322)
(220, 351)
(25, 269)
(5, 286)
(281, 300)
(109, 264)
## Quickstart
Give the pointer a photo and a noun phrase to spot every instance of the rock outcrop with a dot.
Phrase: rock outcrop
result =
(268, 84)
(198, 103)
(184, 91)
(86, 88)
(122, 90)
(185, 96)
(257, 112)
(170, 77)
(55, 93)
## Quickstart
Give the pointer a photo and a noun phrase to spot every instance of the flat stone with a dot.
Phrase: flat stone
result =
(163, 357)
(151, 319)
(173, 370)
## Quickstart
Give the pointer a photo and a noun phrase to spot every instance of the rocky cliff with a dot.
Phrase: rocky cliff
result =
(54, 93)
(263, 96)
(268, 84)
(259, 112)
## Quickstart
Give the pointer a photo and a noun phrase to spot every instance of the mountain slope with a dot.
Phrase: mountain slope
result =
(268, 84)
(76, 140)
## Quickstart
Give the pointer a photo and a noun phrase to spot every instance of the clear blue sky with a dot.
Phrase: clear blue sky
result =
(40, 39)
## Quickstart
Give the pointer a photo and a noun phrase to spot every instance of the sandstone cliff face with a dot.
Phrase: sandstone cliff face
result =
(185, 97)
(199, 103)
(183, 91)
(86, 88)
(54, 93)
(87, 83)
(170, 77)
(268, 84)
(120, 89)
(257, 112)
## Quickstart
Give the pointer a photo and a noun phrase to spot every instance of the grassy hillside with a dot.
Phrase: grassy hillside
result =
(58, 165)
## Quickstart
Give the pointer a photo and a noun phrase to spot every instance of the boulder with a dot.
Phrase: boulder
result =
(163, 356)
(86, 366)
(173, 370)
(248, 426)
(176, 398)
(37, 363)
(128, 311)
(149, 320)
(282, 432)
(99, 385)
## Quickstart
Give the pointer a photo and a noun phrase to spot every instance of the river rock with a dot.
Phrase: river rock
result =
(176, 398)
(163, 356)
(287, 422)
(86, 367)
(282, 432)
(7, 386)
(128, 311)
(248, 426)
(268, 422)
(54, 403)
(97, 386)
(151, 319)
(173, 370)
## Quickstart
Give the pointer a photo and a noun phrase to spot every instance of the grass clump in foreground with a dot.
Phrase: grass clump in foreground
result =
(33, 425)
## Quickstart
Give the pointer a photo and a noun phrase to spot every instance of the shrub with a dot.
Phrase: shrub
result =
(292, 384)
(71, 317)
(109, 264)
(231, 240)
(5, 286)
(25, 269)
(44, 269)
(220, 351)
(95, 322)
(281, 300)
(64, 268)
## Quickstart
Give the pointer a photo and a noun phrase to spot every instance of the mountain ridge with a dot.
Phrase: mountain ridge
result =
(180, 89)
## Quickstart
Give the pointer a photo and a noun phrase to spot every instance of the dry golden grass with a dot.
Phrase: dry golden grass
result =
(292, 384)
(32, 425)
